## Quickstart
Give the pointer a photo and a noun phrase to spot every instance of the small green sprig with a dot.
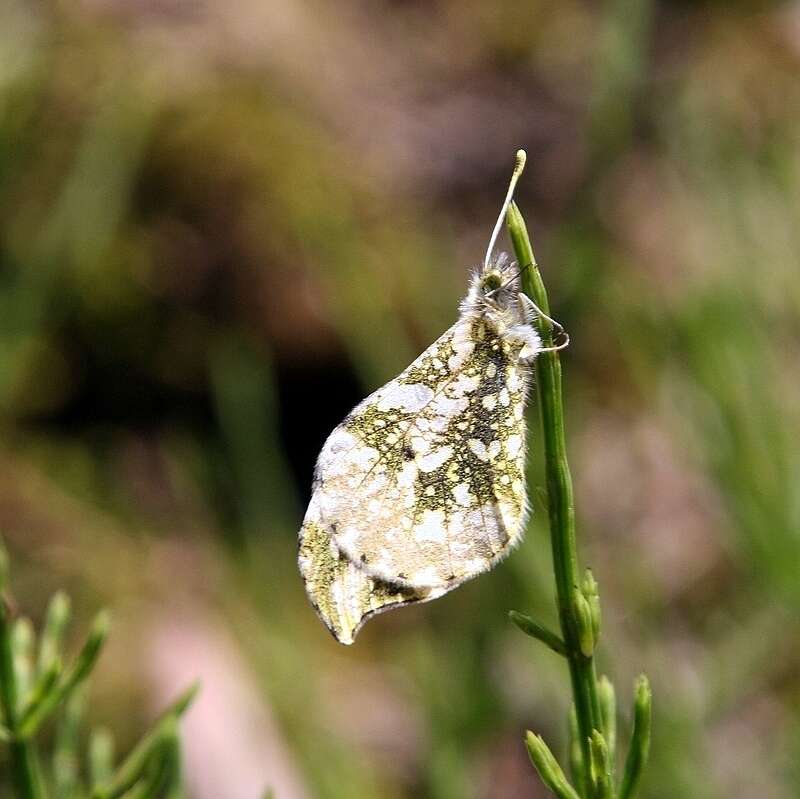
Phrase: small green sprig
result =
(35, 688)
(593, 711)
(640, 739)
(548, 768)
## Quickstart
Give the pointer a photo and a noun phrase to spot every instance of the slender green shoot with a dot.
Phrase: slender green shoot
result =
(608, 708)
(66, 753)
(148, 753)
(576, 626)
(601, 766)
(547, 766)
(52, 638)
(83, 665)
(538, 631)
(640, 740)
(36, 689)
(23, 762)
(592, 720)
(101, 756)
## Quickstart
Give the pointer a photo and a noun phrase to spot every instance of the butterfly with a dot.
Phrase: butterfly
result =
(422, 486)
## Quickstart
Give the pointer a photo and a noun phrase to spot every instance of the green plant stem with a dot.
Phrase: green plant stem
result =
(25, 770)
(560, 499)
(25, 774)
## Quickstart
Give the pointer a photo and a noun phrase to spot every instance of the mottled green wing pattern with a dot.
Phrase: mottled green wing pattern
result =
(422, 486)
(343, 595)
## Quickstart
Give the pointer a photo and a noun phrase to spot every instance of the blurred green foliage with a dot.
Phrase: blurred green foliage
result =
(37, 685)
(221, 224)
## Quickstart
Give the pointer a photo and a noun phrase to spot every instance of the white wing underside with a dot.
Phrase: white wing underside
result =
(344, 595)
(422, 486)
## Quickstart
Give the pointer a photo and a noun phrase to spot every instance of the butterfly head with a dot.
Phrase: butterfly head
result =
(499, 282)
(491, 281)
(493, 292)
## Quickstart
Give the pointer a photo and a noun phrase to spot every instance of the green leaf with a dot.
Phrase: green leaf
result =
(547, 767)
(136, 764)
(601, 766)
(83, 665)
(182, 703)
(40, 693)
(576, 768)
(56, 621)
(640, 740)
(538, 631)
(66, 767)
(590, 591)
(608, 708)
(159, 774)
(583, 620)
(8, 675)
(22, 642)
(4, 567)
(101, 757)
(23, 761)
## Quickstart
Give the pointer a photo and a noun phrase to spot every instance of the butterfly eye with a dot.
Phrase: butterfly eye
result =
(492, 282)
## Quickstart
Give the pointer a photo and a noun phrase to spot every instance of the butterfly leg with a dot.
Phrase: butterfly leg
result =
(532, 312)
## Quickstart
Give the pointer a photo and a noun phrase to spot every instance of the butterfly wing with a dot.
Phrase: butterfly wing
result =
(344, 595)
(422, 486)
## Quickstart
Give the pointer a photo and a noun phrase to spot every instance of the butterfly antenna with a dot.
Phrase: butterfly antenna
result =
(518, 167)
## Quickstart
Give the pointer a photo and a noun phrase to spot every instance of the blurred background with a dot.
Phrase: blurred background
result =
(223, 223)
